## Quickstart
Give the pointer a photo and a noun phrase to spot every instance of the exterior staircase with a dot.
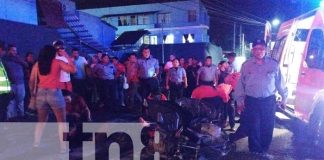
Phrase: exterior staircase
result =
(76, 35)
(62, 15)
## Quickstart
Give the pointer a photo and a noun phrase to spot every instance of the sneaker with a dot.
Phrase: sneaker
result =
(36, 145)
(267, 156)
(259, 154)
(31, 113)
(263, 155)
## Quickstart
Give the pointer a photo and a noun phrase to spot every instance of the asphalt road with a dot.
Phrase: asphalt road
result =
(289, 142)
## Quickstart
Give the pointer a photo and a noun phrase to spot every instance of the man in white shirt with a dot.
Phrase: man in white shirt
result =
(65, 77)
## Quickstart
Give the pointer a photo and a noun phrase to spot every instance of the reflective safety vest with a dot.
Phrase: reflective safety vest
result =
(4, 81)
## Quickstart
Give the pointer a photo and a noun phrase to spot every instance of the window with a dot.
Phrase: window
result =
(315, 51)
(301, 35)
(184, 39)
(278, 49)
(153, 39)
(122, 21)
(191, 38)
(164, 18)
(192, 16)
(133, 20)
(143, 19)
(169, 39)
(188, 38)
(146, 40)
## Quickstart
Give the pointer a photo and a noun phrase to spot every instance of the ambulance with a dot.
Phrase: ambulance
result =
(299, 48)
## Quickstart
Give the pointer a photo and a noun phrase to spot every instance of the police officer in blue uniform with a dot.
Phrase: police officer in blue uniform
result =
(260, 80)
(148, 69)
(176, 80)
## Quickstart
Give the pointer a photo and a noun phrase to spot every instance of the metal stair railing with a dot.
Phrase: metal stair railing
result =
(79, 32)
(73, 22)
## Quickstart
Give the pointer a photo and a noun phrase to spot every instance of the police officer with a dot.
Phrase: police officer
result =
(106, 71)
(207, 74)
(255, 93)
(148, 69)
(4, 86)
(176, 80)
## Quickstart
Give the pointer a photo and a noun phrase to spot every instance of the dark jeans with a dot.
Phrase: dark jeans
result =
(260, 119)
(132, 93)
(4, 101)
(229, 111)
(79, 87)
(120, 96)
(242, 130)
(109, 92)
(148, 85)
(16, 105)
(176, 91)
(100, 89)
(189, 89)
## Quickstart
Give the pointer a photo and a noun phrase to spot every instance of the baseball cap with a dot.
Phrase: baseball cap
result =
(259, 42)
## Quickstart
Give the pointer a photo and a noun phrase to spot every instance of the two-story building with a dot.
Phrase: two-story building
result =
(172, 22)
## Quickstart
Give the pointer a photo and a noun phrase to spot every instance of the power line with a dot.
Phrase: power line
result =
(209, 5)
(229, 16)
(215, 11)
(230, 22)
(225, 12)
(240, 12)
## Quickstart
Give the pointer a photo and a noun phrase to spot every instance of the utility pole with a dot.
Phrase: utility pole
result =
(243, 45)
(234, 34)
(241, 40)
(163, 20)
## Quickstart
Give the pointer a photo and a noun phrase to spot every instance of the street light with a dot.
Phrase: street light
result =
(275, 22)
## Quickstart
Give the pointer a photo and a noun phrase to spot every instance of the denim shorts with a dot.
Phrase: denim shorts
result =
(49, 98)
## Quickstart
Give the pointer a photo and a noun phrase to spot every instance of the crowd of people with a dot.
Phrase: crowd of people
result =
(72, 86)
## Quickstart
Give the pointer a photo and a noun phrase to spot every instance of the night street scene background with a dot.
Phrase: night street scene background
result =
(157, 79)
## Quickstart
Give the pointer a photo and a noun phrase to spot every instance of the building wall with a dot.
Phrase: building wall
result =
(23, 11)
(26, 37)
(178, 18)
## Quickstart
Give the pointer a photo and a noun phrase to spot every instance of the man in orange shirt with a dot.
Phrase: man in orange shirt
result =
(133, 80)
(206, 91)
